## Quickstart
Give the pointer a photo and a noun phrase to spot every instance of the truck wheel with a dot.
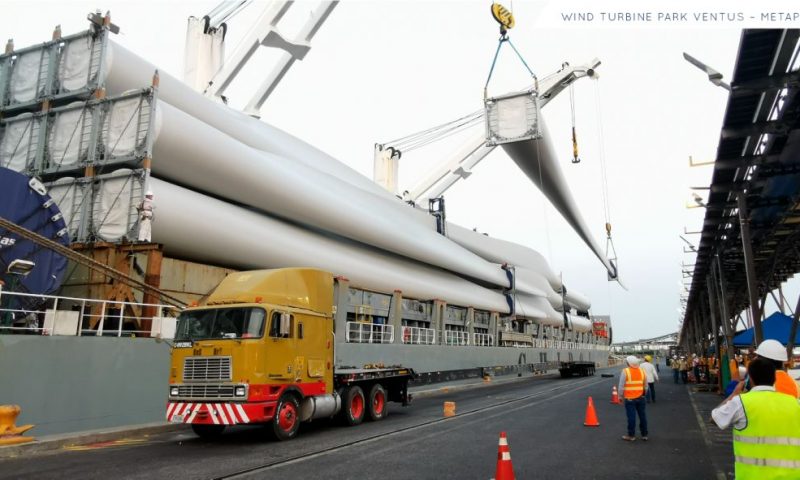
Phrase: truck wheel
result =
(354, 405)
(208, 431)
(378, 407)
(286, 422)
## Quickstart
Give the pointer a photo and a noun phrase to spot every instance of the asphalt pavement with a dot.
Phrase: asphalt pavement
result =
(542, 416)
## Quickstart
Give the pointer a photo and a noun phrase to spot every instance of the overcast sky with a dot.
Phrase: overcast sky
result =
(382, 70)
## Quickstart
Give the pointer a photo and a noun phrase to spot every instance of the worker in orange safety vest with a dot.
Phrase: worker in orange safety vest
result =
(633, 385)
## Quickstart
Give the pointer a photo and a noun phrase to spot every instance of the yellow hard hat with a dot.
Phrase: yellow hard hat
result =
(648, 357)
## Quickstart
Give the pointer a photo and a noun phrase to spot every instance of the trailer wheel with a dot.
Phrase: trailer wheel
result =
(286, 422)
(208, 432)
(354, 405)
(378, 407)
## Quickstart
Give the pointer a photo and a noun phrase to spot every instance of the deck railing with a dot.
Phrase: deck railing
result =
(363, 332)
(27, 313)
(483, 339)
(419, 335)
(456, 337)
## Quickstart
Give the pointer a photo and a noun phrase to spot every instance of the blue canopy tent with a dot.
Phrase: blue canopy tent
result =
(776, 326)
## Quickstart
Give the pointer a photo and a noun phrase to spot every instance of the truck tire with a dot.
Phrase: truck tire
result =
(378, 406)
(354, 405)
(208, 431)
(286, 421)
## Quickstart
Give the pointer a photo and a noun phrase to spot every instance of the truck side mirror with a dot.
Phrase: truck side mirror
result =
(286, 325)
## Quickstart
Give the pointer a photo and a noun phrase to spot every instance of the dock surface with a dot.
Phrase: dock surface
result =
(542, 417)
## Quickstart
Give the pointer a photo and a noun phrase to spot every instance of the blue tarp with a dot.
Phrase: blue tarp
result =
(776, 327)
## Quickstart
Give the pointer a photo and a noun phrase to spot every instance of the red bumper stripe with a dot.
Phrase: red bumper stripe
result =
(220, 413)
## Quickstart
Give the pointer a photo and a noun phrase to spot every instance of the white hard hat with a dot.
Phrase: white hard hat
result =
(773, 350)
(149, 193)
(632, 361)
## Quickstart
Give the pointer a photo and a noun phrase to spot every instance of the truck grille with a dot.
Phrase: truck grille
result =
(207, 368)
(205, 391)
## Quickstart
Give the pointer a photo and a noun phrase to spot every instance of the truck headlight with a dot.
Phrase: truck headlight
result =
(240, 391)
(173, 391)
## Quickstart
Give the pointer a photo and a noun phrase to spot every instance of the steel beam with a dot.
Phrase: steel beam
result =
(793, 330)
(719, 280)
(749, 265)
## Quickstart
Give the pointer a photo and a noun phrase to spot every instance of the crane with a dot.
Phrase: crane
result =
(210, 72)
(462, 162)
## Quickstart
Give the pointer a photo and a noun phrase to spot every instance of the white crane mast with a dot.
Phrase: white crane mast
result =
(264, 32)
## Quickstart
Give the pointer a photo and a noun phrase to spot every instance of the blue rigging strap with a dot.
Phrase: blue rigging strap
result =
(504, 38)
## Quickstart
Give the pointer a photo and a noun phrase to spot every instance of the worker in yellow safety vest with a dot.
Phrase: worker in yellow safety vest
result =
(766, 436)
(775, 352)
(633, 385)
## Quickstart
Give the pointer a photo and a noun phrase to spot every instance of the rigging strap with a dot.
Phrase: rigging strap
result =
(503, 39)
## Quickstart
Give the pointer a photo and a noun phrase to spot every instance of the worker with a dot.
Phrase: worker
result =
(145, 210)
(651, 375)
(676, 368)
(684, 366)
(696, 368)
(766, 436)
(633, 386)
(775, 352)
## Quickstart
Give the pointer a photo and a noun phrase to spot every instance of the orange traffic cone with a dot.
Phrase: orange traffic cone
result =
(504, 471)
(615, 396)
(591, 416)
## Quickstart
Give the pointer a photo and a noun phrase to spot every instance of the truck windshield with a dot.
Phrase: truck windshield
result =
(220, 323)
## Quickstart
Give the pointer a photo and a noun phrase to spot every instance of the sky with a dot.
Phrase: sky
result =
(384, 69)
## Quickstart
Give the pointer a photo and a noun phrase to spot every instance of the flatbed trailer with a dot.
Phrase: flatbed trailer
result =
(583, 369)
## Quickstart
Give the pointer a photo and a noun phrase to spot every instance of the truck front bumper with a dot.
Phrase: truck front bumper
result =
(223, 413)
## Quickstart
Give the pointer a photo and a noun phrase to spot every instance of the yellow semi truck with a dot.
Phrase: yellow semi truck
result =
(260, 350)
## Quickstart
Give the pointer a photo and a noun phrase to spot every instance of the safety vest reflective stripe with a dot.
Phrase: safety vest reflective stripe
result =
(768, 462)
(767, 440)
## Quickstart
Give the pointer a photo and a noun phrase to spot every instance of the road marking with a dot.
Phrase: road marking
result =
(112, 443)
(720, 474)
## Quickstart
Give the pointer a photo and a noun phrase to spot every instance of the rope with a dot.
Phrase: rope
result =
(447, 133)
(89, 262)
(235, 11)
(430, 131)
(601, 144)
(604, 181)
(575, 158)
